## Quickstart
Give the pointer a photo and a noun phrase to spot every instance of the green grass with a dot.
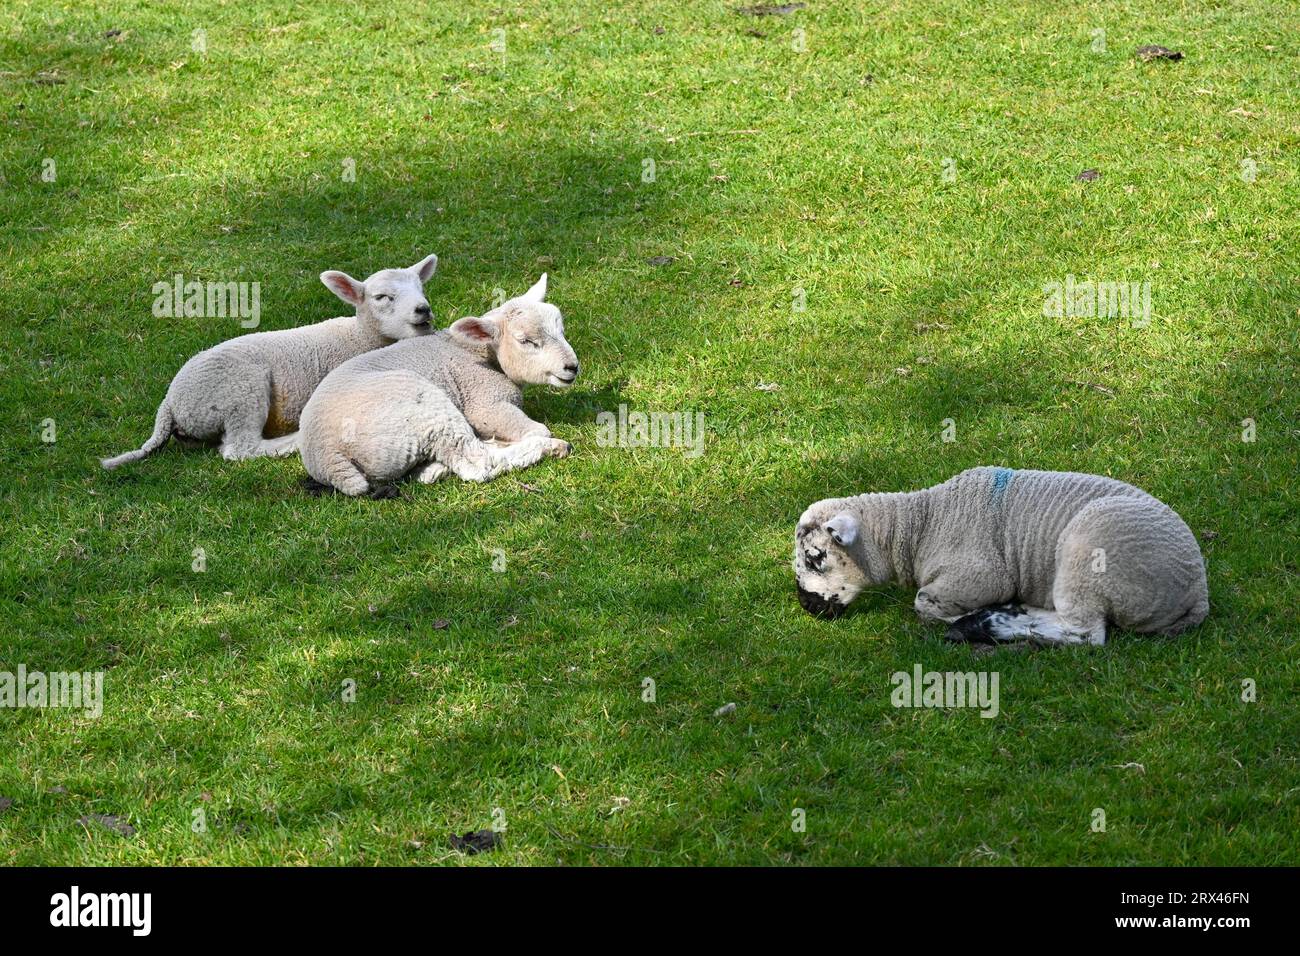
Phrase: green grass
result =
(775, 170)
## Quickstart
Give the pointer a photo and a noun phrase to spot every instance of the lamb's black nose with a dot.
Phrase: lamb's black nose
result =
(423, 311)
(572, 367)
(815, 604)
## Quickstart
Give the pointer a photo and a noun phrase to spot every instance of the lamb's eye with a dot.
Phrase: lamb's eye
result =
(383, 297)
(531, 344)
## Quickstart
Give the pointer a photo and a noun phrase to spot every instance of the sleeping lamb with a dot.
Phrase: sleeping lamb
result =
(1072, 551)
(249, 391)
(426, 407)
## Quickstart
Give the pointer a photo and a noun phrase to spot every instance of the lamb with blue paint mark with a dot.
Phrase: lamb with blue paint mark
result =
(1002, 555)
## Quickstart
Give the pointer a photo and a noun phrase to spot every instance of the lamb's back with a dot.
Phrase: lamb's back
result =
(436, 358)
(428, 356)
(317, 343)
(1036, 507)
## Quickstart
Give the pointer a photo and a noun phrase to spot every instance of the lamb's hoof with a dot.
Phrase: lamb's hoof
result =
(977, 627)
(927, 607)
(559, 448)
(383, 492)
(318, 488)
(431, 473)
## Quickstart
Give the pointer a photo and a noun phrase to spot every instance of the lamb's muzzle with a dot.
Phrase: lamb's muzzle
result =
(818, 606)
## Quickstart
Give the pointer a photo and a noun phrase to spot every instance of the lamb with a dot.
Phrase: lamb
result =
(428, 406)
(249, 391)
(1073, 551)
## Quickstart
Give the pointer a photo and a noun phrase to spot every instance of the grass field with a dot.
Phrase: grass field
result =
(911, 166)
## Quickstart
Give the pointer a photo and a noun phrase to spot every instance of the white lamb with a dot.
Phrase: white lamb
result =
(425, 407)
(1075, 551)
(249, 391)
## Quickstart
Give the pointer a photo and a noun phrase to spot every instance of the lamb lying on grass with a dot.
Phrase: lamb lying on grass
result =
(424, 407)
(249, 391)
(1074, 551)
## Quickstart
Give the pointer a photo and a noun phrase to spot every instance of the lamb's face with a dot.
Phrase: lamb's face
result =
(391, 301)
(827, 572)
(527, 336)
(532, 349)
(396, 303)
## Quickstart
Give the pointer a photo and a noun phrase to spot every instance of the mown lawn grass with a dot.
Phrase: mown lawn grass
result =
(782, 161)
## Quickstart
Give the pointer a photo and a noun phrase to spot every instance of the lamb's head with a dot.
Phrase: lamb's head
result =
(526, 336)
(833, 559)
(391, 302)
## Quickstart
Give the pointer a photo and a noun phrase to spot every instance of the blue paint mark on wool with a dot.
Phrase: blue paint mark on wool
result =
(1001, 479)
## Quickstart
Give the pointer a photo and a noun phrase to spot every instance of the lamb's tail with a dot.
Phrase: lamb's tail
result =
(1193, 616)
(163, 426)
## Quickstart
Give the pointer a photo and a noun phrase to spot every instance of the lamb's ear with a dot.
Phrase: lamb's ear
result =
(480, 330)
(344, 286)
(538, 292)
(843, 529)
(425, 267)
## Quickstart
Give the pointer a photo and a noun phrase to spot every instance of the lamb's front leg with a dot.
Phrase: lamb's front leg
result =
(472, 460)
(933, 604)
(430, 472)
(507, 422)
(966, 584)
